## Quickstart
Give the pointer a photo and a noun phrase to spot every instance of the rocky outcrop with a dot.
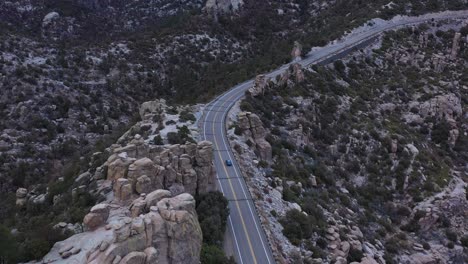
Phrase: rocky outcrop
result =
(296, 52)
(442, 106)
(49, 18)
(149, 109)
(21, 197)
(97, 216)
(168, 232)
(179, 168)
(223, 6)
(294, 72)
(260, 85)
(455, 46)
(253, 130)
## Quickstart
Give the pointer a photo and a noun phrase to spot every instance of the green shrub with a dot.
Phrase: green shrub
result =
(451, 235)
(213, 211)
(186, 116)
(296, 226)
(355, 255)
(464, 241)
(426, 246)
(211, 254)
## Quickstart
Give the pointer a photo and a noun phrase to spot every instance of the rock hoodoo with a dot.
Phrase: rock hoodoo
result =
(261, 83)
(253, 130)
(296, 53)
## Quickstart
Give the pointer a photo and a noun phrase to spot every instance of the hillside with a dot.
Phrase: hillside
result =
(74, 73)
(366, 157)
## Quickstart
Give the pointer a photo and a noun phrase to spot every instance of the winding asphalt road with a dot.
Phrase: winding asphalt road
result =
(248, 240)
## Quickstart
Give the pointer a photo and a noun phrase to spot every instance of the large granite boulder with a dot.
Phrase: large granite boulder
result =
(96, 217)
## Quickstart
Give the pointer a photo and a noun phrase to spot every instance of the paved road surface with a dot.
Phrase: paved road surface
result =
(250, 245)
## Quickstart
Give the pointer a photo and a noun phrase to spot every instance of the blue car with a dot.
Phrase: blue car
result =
(228, 162)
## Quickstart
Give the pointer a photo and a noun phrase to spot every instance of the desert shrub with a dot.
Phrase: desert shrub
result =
(464, 241)
(355, 255)
(426, 246)
(186, 116)
(440, 132)
(157, 140)
(296, 226)
(214, 255)
(212, 210)
(451, 235)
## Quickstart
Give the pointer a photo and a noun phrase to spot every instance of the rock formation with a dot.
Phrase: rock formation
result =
(21, 195)
(442, 106)
(261, 83)
(296, 53)
(49, 18)
(455, 46)
(139, 221)
(253, 130)
(179, 168)
(223, 6)
(165, 231)
(295, 71)
(148, 109)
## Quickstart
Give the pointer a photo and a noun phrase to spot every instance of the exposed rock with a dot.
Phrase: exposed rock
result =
(261, 83)
(49, 18)
(154, 197)
(118, 168)
(143, 184)
(97, 217)
(442, 106)
(205, 168)
(149, 109)
(295, 71)
(134, 258)
(296, 53)
(145, 166)
(368, 260)
(298, 73)
(123, 189)
(223, 6)
(252, 127)
(394, 146)
(455, 46)
(421, 258)
(151, 255)
(21, 194)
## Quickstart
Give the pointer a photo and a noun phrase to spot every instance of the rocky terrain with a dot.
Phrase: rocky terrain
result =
(156, 228)
(74, 73)
(363, 160)
(146, 190)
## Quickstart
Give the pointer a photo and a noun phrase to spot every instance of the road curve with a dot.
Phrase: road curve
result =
(250, 245)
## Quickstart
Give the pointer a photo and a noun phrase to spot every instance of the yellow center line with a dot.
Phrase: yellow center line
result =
(233, 192)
